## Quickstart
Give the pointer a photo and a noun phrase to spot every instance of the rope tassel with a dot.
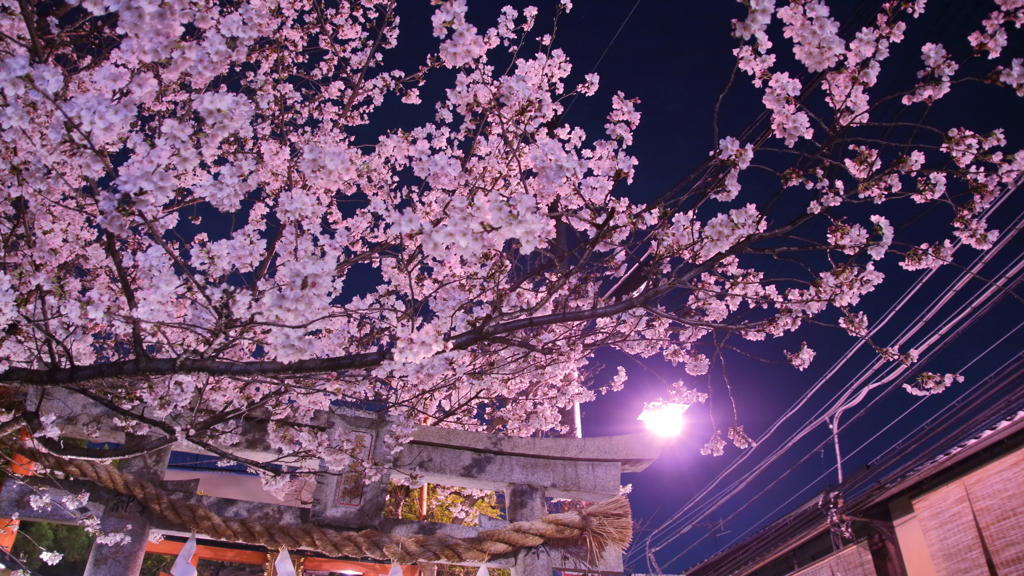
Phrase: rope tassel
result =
(604, 525)
(183, 563)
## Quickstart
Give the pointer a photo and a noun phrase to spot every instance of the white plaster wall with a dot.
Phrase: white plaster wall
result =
(243, 487)
(912, 546)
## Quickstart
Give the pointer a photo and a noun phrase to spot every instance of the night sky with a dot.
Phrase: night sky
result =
(675, 56)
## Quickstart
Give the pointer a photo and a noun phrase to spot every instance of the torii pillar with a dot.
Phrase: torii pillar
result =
(524, 503)
(527, 470)
(126, 558)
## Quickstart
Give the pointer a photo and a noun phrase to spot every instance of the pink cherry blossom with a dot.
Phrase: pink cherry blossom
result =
(209, 217)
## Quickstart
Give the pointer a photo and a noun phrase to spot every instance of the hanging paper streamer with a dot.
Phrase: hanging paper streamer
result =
(283, 565)
(482, 571)
(396, 570)
(183, 563)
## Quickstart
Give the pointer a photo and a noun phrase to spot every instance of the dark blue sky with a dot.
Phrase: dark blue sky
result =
(676, 58)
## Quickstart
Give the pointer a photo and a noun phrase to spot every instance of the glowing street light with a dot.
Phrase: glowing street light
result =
(663, 418)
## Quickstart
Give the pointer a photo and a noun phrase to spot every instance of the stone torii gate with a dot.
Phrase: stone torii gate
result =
(526, 470)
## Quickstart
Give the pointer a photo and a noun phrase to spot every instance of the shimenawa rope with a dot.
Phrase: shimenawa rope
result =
(606, 524)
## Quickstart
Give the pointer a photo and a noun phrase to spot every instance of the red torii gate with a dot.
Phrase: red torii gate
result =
(527, 470)
(257, 558)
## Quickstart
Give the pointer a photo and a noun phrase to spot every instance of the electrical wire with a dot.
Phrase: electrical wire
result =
(958, 433)
(603, 54)
(860, 414)
(864, 444)
(703, 510)
(1002, 379)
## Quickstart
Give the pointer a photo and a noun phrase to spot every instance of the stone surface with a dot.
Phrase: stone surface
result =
(346, 499)
(634, 451)
(129, 517)
(526, 469)
(14, 497)
(579, 559)
(82, 418)
(419, 528)
(577, 480)
(523, 503)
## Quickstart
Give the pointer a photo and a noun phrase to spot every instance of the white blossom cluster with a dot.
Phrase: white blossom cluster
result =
(201, 200)
(801, 359)
(939, 67)
(929, 383)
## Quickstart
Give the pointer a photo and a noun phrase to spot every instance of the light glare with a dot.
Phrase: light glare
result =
(663, 418)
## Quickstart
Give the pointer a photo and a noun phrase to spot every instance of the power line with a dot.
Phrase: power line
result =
(913, 407)
(603, 54)
(924, 317)
(1002, 383)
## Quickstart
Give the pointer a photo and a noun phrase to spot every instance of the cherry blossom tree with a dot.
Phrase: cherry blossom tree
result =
(197, 230)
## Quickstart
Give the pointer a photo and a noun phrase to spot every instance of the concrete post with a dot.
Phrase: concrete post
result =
(523, 503)
(126, 559)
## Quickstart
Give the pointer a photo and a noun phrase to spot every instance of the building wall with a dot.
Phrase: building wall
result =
(973, 526)
(916, 559)
(243, 487)
(853, 560)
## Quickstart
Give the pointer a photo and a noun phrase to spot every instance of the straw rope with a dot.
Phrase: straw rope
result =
(606, 524)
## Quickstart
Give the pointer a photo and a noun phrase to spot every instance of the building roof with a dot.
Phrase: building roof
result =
(990, 436)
